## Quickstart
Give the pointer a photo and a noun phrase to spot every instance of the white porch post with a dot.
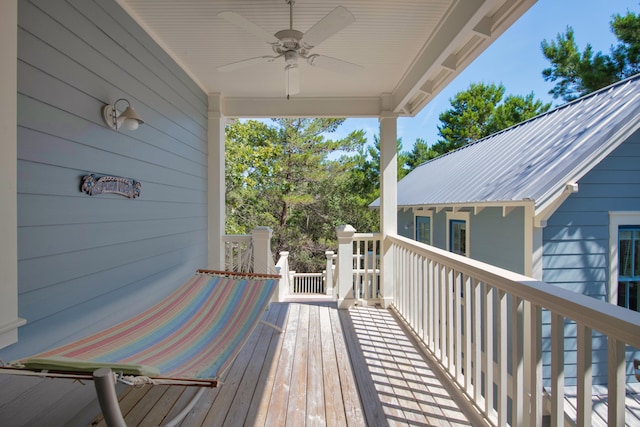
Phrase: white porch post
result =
(9, 321)
(345, 266)
(261, 237)
(215, 182)
(388, 199)
(328, 275)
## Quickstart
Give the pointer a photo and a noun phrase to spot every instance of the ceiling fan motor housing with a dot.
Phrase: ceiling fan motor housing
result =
(289, 41)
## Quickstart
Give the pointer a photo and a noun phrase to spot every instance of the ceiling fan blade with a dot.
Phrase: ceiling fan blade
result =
(249, 26)
(245, 63)
(292, 79)
(333, 64)
(334, 21)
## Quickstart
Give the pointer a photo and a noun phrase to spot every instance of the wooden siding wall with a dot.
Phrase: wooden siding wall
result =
(495, 239)
(576, 239)
(406, 224)
(88, 261)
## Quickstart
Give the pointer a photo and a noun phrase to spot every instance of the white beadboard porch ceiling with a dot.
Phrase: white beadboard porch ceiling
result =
(409, 50)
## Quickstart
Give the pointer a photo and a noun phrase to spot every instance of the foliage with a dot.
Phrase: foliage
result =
(478, 112)
(420, 153)
(579, 73)
(280, 176)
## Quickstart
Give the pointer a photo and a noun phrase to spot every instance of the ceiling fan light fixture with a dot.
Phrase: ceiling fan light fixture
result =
(292, 79)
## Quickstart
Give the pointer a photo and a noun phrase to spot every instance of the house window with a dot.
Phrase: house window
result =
(458, 236)
(458, 233)
(628, 266)
(423, 229)
(624, 258)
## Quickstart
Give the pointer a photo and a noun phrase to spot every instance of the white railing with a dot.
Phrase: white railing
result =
(238, 252)
(483, 326)
(366, 266)
(307, 283)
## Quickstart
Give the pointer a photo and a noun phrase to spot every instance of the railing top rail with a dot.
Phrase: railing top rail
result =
(614, 321)
(236, 238)
(359, 236)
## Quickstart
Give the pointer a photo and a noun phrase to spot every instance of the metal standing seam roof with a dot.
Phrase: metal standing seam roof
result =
(531, 161)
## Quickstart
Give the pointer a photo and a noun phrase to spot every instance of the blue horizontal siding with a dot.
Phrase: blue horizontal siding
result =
(85, 262)
(576, 242)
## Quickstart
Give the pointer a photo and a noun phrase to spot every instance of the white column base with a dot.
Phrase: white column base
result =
(386, 302)
(346, 303)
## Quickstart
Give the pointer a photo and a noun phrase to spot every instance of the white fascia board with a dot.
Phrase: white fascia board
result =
(456, 38)
(303, 107)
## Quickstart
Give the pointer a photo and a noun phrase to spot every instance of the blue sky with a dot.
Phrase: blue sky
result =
(515, 60)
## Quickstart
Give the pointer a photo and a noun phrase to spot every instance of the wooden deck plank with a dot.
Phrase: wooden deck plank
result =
(143, 406)
(30, 412)
(231, 380)
(316, 407)
(277, 413)
(334, 405)
(248, 386)
(158, 413)
(371, 405)
(260, 403)
(297, 407)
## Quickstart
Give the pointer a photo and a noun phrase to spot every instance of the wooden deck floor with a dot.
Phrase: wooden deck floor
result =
(329, 367)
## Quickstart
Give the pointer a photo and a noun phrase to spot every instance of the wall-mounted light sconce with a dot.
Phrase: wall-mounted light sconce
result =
(116, 119)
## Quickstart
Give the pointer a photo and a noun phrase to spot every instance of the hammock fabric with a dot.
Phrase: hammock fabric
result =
(193, 334)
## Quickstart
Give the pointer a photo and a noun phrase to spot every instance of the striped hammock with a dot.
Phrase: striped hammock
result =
(193, 334)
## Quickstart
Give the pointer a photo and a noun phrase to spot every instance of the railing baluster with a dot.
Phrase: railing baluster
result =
(458, 329)
(616, 379)
(477, 345)
(584, 374)
(517, 358)
(502, 373)
(557, 370)
(488, 349)
(468, 333)
(534, 345)
(437, 314)
(431, 311)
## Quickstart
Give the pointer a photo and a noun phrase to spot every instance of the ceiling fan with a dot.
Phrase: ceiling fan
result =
(293, 45)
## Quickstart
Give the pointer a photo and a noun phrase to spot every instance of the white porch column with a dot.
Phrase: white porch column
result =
(9, 321)
(329, 273)
(215, 182)
(283, 271)
(261, 237)
(345, 266)
(388, 199)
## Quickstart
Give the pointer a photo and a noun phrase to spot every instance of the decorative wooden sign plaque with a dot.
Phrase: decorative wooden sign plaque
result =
(111, 184)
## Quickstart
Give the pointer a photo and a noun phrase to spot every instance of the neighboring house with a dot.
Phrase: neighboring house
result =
(556, 197)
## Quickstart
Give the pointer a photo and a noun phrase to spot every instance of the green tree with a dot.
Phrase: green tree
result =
(478, 112)
(577, 73)
(251, 153)
(469, 116)
(279, 175)
(420, 153)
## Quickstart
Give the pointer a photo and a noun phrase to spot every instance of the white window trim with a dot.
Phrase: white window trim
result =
(462, 216)
(426, 214)
(616, 219)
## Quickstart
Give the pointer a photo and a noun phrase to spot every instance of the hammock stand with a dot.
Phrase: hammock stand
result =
(189, 338)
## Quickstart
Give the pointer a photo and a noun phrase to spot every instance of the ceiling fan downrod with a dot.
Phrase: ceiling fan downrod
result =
(291, 3)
